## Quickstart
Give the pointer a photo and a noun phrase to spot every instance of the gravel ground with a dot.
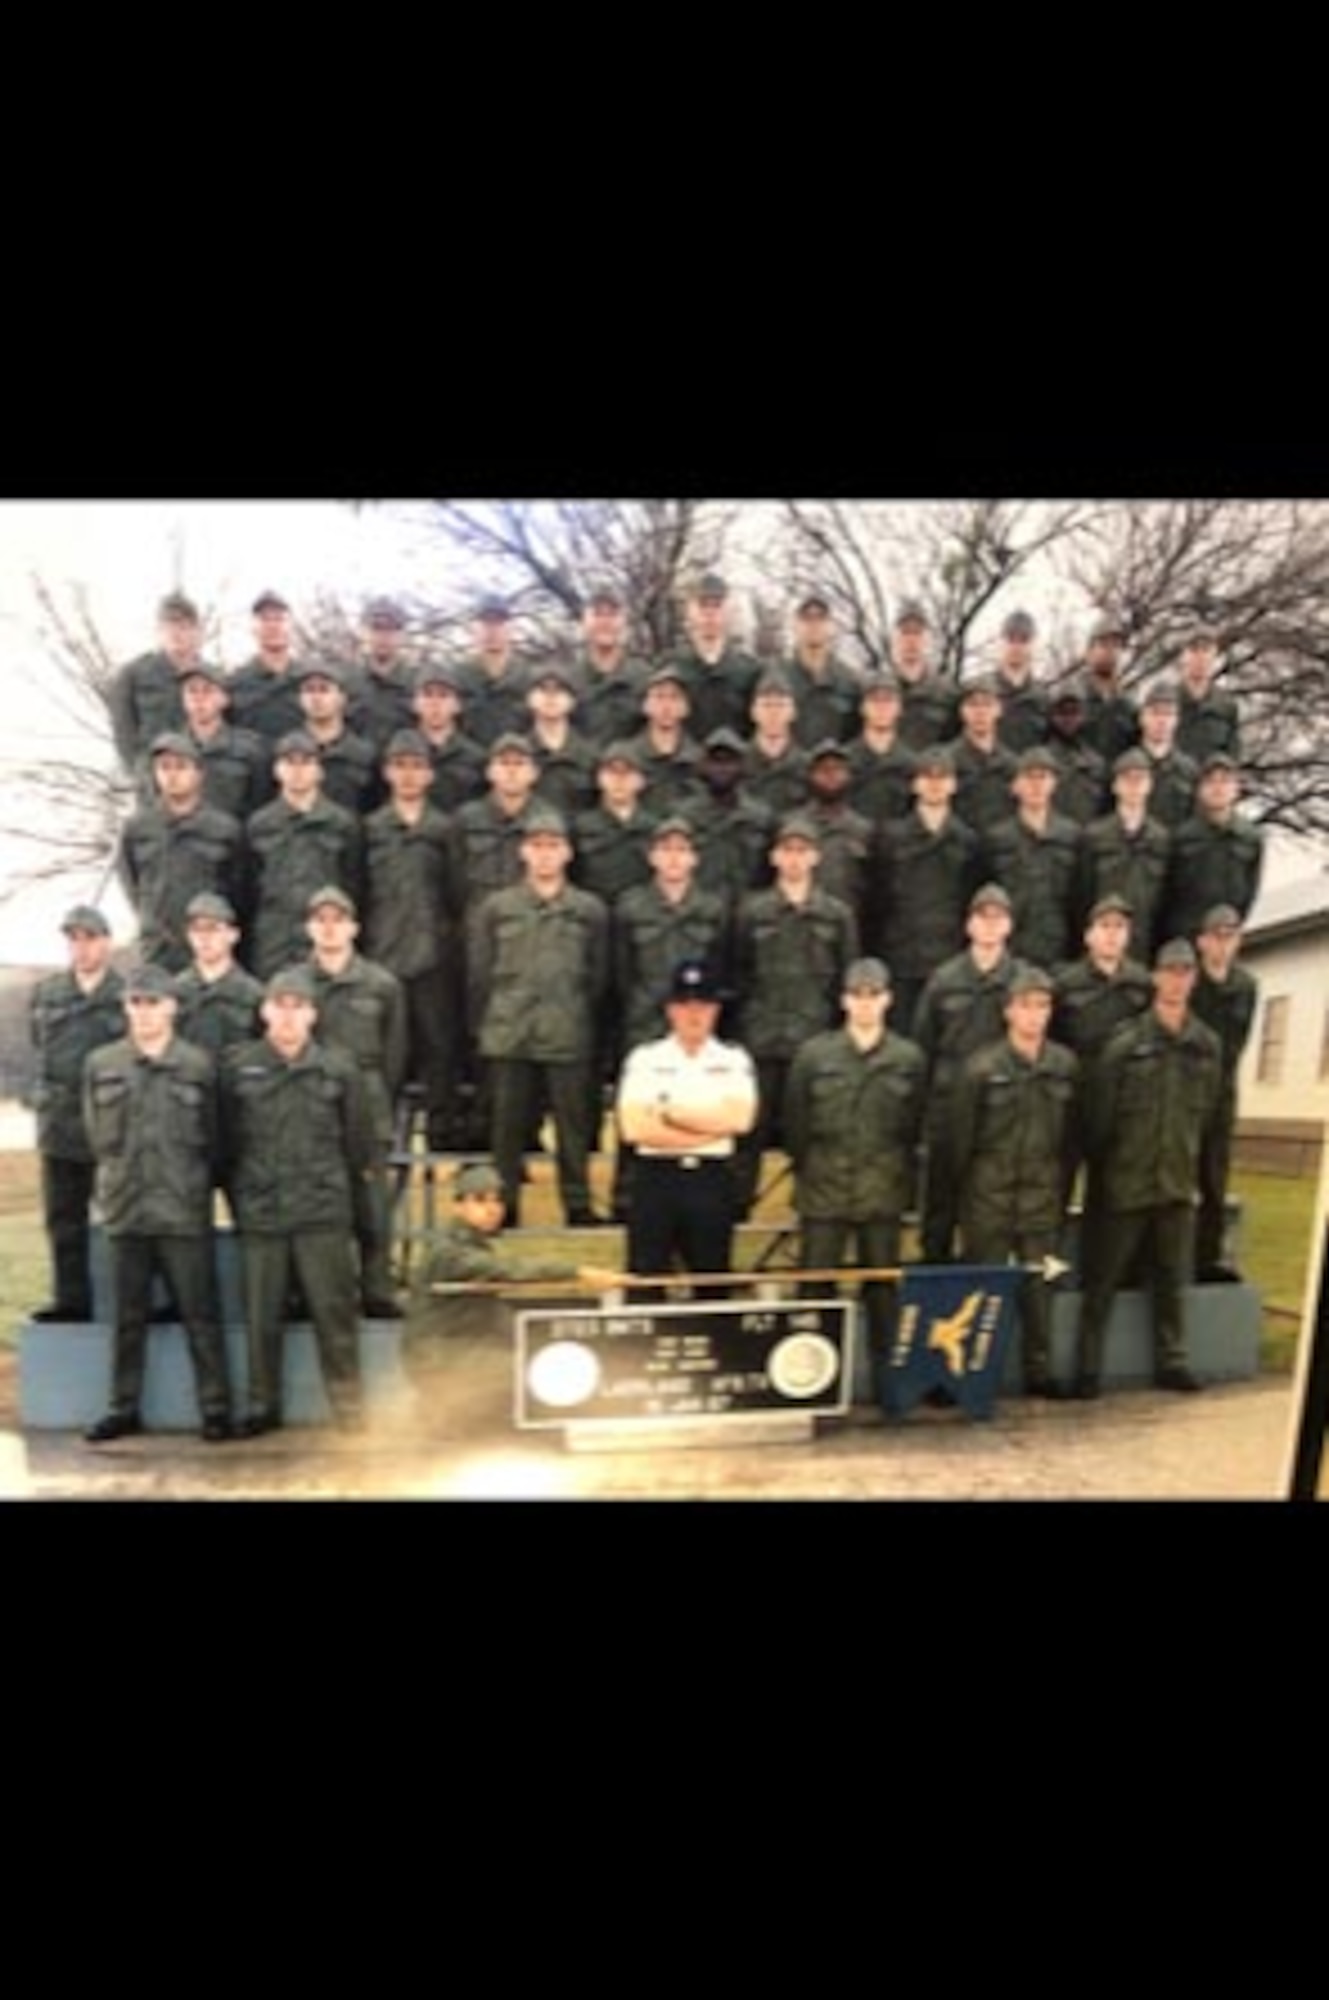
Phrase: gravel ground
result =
(1230, 1443)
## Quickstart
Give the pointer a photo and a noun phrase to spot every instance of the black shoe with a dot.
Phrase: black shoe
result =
(586, 1218)
(258, 1425)
(1219, 1274)
(216, 1430)
(163, 1316)
(61, 1315)
(1086, 1389)
(382, 1309)
(1178, 1378)
(115, 1425)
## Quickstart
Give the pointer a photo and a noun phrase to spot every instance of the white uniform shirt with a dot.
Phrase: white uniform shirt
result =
(663, 1073)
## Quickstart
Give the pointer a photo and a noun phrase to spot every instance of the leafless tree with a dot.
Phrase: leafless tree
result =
(1258, 573)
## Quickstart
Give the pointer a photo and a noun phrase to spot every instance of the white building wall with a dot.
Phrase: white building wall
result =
(1295, 969)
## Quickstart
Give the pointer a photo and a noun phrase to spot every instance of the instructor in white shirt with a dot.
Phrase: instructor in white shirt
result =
(682, 1102)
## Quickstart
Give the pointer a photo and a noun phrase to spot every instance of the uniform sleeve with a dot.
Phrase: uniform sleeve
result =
(479, 962)
(395, 1044)
(358, 1127)
(794, 1110)
(124, 716)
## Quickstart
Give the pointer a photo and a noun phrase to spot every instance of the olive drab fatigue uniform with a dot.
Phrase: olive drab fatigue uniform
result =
(166, 859)
(918, 899)
(66, 1025)
(215, 1014)
(929, 711)
(1024, 713)
(459, 1254)
(265, 702)
(1111, 723)
(960, 1010)
(237, 770)
(1115, 861)
(362, 1010)
(1040, 872)
(1210, 864)
(412, 925)
(152, 1128)
(538, 972)
(789, 961)
(295, 1138)
(881, 782)
(291, 854)
(852, 1123)
(1149, 1107)
(145, 700)
(1209, 724)
(608, 704)
(494, 705)
(458, 771)
(1228, 1007)
(1015, 1142)
(380, 703)
(826, 705)
(720, 692)
(983, 784)
(1172, 799)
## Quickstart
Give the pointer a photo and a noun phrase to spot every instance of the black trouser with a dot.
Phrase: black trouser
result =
(1215, 1170)
(1166, 1236)
(822, 1246)
(681, 1212)
(189, 1268)
(989, 1243)
(322, 1262)
(516, 1088)
(66, 1199)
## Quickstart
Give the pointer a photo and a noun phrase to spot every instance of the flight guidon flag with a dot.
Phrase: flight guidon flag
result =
(953, 1327)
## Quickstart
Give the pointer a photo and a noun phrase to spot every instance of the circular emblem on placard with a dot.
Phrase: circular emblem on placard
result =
(803, 1364)
(564, 1373)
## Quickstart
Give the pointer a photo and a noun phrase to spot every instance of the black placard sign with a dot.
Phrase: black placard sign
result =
(678, 1363)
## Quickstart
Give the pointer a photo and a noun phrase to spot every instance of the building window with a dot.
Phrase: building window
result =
(1273, 1040)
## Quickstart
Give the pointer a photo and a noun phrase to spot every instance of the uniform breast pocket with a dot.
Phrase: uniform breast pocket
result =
(1139, 1086)
(110, 1114)
(188, 1109)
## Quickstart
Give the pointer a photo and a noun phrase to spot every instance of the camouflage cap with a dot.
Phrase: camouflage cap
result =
(1037, 758)
(477, 1178)
(667, 673)
(829, 746)
(296, 980)
(268, 600)
(1133, 759)
(772, 681)
(984, 687)
(935, 757)
(1068, 693)
(509, 744)
(1222, 917)
(619, 753)
(331, 895)
(149, 982)
(208, 908)
(175, 605)
(1111, 906)
(1176, 952)
(83, 917)
(175, 743)
(988, 895)
(871, 974)
(406, 743)
(1162, 694)
(1218, 760)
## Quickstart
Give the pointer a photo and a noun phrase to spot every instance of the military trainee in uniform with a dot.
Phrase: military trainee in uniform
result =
(145, 694)
(1225, 999)
(853, 1111)
(296, 1136)
(150, 1105)
(71, 1013)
